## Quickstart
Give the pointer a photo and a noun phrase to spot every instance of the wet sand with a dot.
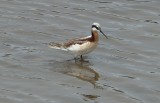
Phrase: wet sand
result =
(123, 69)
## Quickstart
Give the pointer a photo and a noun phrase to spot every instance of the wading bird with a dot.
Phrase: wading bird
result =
(81, 46)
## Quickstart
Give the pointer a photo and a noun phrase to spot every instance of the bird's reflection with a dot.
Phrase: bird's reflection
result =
(80, 70)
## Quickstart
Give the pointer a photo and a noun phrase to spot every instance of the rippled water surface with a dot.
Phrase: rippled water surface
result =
(123, 69)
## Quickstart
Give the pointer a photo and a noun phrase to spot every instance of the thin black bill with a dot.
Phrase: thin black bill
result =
(103, 34)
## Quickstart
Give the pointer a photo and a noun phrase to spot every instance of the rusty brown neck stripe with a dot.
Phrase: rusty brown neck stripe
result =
(94, 37)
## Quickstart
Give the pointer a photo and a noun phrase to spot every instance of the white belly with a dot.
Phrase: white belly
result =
(82, 49)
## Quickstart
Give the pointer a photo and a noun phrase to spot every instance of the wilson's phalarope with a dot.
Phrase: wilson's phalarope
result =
(81, 46)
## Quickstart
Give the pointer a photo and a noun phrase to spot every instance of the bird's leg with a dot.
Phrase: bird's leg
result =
(75, 59)
(83, 60)
(81, 57)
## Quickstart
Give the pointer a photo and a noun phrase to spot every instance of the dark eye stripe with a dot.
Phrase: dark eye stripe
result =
(93, 26)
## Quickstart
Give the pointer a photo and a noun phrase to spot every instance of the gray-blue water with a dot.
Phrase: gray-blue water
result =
(123, 69)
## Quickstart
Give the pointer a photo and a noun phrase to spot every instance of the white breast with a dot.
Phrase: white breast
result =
(82, 49)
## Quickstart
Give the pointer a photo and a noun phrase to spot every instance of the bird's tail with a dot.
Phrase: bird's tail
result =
(57, 46)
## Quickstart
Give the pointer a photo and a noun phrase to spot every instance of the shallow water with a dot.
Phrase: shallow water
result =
(123, 69)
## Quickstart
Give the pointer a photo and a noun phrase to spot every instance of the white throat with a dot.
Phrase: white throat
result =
(94, 29)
